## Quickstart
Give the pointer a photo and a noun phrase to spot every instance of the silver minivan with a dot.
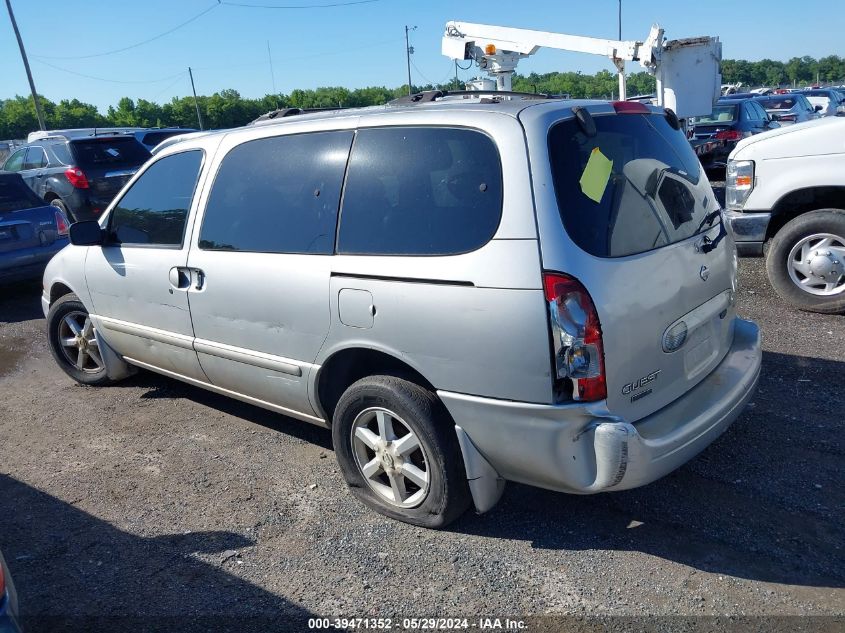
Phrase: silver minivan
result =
(467, 290)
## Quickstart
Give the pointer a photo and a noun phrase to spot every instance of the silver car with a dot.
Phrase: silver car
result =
(467, 291)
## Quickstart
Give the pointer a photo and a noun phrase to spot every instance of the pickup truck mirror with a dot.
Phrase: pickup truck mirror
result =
(818, 108)
(86, 233)
(775, 117)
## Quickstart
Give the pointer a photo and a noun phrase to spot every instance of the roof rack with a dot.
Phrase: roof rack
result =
(433, 95)
(282, 113)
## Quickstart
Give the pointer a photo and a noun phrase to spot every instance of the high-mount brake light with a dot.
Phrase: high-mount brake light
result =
(630, 107)
(576, 337)
(77, 177)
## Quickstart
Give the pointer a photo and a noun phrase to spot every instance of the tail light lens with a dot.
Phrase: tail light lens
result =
(788, 117)
(728, 135)
(2, 583)
(77, 177)
(576, 337)
(61, 223)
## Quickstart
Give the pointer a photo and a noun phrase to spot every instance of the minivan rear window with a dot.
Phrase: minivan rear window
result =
(656, 192)
(107, 152)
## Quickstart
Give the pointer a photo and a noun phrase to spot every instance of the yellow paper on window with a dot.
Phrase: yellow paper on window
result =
(596, 175)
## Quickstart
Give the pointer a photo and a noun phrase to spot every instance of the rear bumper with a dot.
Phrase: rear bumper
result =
(584, 449)
(28, 263)
(749, 231)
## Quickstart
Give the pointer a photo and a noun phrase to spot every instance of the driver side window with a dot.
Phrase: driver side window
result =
(153, 212)
(15, 161)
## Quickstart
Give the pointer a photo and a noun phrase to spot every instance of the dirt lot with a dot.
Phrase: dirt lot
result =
(156, 499)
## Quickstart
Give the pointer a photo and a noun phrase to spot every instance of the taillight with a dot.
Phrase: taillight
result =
(61, 223)
(728, 135)
(2, 583)
(788, 117)
(76, 177)
(576, 337)
(630, 107)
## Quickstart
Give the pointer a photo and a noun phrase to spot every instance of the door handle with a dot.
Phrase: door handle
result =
(199, 278)
(39, 175)
(180, 277)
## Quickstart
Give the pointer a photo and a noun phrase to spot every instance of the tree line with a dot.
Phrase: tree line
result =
(228, 108)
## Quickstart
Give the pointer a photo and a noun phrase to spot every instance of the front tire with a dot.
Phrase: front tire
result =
(399, 453)
(70, 333)
(806, 262)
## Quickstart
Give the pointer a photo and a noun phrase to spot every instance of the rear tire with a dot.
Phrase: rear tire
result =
(806, 262)
(70, 333)
(400, 435)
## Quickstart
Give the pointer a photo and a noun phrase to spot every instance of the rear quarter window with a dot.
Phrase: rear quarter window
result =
(420, 191)
(16, 196)
(656, 194)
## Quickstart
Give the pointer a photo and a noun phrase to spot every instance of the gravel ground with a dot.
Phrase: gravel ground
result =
(154, 499)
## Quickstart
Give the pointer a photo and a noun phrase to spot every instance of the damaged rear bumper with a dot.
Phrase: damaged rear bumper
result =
(583, 449)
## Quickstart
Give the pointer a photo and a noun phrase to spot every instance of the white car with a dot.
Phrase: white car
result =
(788, 187)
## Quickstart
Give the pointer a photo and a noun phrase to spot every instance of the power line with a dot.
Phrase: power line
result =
(137, 44)
(112, 81)
(298, 6)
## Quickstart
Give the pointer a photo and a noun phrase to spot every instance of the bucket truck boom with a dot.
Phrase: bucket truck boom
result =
(687, 71)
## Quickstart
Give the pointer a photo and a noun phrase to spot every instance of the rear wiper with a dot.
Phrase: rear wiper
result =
(707, 244)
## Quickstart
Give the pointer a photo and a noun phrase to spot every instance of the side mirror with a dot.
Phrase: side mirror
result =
(818, 108)
(86, 233)
(775, 117)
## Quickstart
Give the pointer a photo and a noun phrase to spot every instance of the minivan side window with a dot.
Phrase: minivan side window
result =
(154, 210)
(278, 195)
(420, 191)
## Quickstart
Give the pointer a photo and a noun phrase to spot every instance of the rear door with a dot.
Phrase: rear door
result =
(33, 168)
(642, 232)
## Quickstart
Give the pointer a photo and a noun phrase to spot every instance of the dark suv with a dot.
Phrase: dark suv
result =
(80, 176)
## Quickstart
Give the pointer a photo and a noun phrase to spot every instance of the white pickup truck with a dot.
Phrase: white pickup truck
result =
(787, 187)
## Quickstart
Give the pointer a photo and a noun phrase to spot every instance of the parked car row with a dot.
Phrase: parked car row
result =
(736, 116)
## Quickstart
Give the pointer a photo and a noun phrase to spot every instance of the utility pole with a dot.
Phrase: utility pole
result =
(196, 101)
(38, 112)
(408, 51)
(620, 20)
(272, 74)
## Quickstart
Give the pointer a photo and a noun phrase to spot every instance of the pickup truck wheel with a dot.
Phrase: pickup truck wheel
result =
(72, 342)
(399, 453)
(806, 261)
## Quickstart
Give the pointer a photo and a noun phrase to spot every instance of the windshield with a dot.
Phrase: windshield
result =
(635, 186)
(722, 113)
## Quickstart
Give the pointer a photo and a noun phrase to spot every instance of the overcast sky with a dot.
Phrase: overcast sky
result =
(353, 46)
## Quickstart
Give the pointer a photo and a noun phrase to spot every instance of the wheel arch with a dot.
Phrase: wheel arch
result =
(349, 364)
(802, 201)
(59, 289)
